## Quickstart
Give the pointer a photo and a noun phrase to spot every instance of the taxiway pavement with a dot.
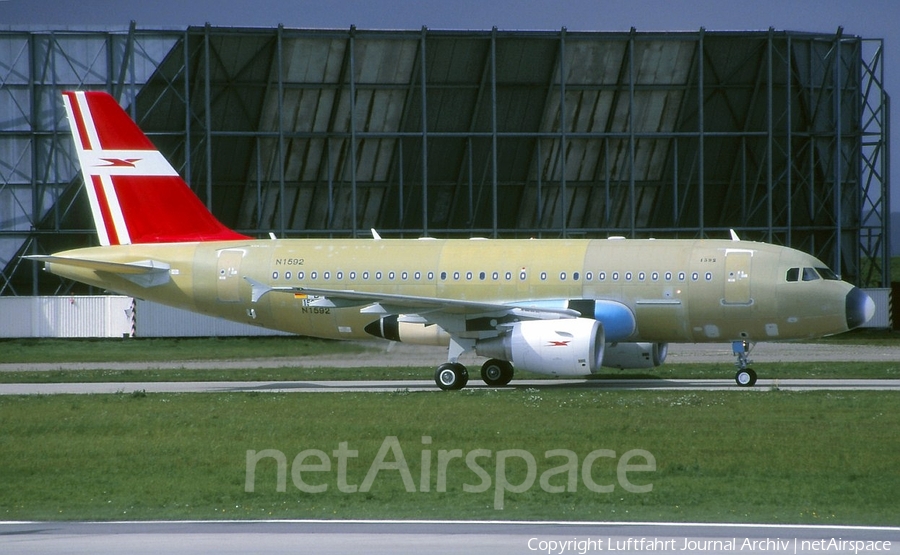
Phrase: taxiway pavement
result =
(387, 386)
(388, 354)
(434, 538)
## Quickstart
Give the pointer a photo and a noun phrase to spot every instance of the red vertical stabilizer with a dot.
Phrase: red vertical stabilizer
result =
(136, 196)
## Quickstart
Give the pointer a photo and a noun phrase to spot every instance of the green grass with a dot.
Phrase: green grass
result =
(167, 349)
(778, 457)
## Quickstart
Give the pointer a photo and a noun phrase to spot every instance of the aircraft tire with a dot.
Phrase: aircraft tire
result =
(496, 372)
(451, 376)
(745, 377)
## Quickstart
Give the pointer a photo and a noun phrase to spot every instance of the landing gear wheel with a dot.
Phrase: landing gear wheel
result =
(745, 377)
(451, 376)
(496, 372)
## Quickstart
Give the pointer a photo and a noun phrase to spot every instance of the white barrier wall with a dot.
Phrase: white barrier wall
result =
(156, 320)
(883, 318)
(74, 316)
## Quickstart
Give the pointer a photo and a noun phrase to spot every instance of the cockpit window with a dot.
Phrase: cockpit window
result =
(810, 274)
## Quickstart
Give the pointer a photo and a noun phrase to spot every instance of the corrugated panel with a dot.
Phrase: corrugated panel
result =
(83, 316)
(75, 316)
(385, 61)
(17, 316)
(883, 318)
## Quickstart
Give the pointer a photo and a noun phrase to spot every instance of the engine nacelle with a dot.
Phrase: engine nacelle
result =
(634, 355)
(568, 347)
(415, 333)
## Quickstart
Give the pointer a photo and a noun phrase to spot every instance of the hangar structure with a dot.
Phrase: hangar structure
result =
(779, 135)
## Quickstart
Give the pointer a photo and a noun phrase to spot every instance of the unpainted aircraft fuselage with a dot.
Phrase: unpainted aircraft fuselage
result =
(678, 291)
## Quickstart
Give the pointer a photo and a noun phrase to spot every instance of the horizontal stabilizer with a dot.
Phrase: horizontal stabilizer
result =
(146, 273)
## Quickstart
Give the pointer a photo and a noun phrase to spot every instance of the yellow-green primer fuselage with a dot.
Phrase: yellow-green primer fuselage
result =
(678, 290)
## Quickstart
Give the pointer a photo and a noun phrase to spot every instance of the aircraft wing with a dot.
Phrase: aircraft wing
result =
(388, 303)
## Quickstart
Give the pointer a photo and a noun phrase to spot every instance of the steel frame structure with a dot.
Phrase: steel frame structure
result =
(781, 136)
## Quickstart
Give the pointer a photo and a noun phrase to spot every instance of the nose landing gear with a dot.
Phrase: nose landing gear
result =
(745, 376)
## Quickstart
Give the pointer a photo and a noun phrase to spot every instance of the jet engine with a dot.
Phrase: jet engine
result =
(634, 355)
(394, 328)
(568, 347)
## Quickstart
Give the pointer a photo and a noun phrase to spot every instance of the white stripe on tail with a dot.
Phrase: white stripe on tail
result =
(136, 196)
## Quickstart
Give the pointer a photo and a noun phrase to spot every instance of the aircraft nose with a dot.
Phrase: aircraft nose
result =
(860, 308)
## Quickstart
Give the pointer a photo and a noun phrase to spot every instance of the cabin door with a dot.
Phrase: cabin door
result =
(229, 270)
(737, 276)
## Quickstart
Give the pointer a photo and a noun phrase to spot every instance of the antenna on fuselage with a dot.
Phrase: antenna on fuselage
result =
(375, 234)
(734, 235)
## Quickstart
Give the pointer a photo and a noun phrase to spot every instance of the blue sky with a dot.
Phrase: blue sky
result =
(866, 18)
(871, 18)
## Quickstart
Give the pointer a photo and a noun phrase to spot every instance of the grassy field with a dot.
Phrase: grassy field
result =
(767, 456)
(166, 349)
(773, 456)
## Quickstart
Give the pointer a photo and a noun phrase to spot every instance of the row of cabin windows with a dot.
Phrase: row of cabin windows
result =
(810, 274)
(508, 276)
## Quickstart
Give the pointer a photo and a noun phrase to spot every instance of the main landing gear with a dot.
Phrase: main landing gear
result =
(453, 375)
(745, 376)
(496, 372)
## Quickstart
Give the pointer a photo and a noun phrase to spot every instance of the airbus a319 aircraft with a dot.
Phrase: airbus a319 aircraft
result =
(562, 307)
